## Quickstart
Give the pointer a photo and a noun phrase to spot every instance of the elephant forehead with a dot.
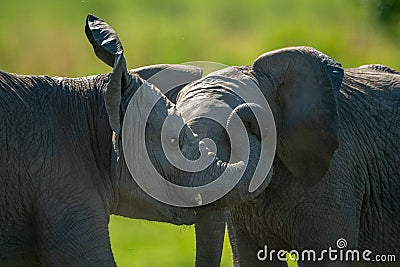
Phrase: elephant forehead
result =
(228, 81)
(205, 106)
(216, 95)
(230, 85)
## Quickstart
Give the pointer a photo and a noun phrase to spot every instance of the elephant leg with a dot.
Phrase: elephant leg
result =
(245, 250)
(330, 234)
(73, 234)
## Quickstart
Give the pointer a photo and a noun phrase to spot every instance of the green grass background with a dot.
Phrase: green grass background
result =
(47, 37)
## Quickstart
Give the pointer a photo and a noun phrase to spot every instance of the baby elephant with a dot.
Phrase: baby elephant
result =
(62, 166)
(59, 181)
(335, 178)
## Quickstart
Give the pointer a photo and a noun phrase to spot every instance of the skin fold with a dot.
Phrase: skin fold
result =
(335, 173)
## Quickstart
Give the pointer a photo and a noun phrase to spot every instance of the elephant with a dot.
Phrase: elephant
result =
(63, 167)
(335, 181)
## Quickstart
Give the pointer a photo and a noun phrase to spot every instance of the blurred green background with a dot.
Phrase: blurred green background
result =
(47, 37)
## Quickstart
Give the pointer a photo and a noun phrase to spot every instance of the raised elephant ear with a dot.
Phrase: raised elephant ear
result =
(169, 78)
(103, 38)
(304, 82)
(108, 48)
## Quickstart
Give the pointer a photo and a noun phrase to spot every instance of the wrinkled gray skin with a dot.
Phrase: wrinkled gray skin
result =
(62, 168)
(336, 170)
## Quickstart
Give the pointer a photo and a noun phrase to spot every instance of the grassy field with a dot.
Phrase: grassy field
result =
(148, 244)
(47, 37)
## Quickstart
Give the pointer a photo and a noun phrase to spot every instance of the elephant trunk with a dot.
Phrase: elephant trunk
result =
(210, 232)
(211, 220)
(254, 147)
(234, 182)
(251, 133)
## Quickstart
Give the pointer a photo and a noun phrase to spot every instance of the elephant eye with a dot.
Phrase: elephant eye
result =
(174, 143)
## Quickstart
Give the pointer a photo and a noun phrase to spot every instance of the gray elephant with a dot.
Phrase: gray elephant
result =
(335, 176)
(63, 170)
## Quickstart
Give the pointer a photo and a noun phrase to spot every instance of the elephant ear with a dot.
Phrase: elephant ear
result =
(108, 48)
(169, 78)
(103, 38)
(304, 81)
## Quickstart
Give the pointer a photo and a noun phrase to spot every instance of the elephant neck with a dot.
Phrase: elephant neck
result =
(88, 122)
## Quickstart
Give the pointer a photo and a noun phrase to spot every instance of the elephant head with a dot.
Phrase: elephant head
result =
(143, 147)
(298, 84)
